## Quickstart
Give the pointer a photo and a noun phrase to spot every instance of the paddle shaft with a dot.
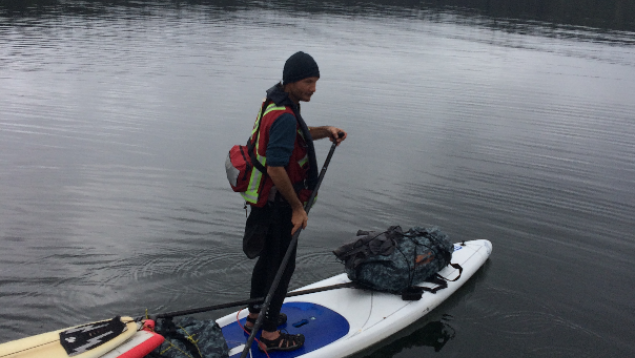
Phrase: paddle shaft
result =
(246, 302)
(287, 255)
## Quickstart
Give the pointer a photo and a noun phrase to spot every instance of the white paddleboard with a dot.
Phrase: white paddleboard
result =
(341, 322)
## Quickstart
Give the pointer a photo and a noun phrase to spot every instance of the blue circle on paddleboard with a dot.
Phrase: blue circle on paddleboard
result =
(320, 325)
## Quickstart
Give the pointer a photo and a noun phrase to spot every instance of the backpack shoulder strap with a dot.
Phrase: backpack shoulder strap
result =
(251, 144)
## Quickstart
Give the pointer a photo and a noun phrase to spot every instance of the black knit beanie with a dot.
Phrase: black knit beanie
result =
(298, 67)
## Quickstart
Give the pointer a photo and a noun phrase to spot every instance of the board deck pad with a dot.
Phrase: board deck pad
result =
(320, 325)
(81, 339)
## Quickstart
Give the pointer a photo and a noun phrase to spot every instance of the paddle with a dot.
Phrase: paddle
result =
(243, 302)
(285, 260)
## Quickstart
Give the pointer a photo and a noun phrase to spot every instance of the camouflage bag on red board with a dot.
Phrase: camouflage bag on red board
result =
(189, 337)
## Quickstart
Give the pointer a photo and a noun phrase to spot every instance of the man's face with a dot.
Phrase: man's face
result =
(302, 90)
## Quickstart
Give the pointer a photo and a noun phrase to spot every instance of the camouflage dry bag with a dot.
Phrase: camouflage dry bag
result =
(394, 261)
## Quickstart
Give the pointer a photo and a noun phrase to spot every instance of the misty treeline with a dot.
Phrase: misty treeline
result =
(609, 14)
(614, 14)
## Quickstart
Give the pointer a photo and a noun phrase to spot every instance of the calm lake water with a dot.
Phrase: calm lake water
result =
(115, 124)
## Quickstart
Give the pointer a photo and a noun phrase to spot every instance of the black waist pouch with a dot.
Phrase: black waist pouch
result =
(256, 231)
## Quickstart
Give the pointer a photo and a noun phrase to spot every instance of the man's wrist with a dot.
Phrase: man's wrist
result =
(320, 132)
(296, 205)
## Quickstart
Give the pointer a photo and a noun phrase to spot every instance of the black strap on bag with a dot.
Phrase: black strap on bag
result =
(414, 293)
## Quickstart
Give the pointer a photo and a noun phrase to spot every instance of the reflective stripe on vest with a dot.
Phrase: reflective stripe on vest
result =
(304, 160)
(251, 195)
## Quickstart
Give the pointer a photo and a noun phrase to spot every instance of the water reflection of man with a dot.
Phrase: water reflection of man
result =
(286, 144)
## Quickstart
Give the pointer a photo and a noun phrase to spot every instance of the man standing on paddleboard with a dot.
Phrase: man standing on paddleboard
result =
(284, 145)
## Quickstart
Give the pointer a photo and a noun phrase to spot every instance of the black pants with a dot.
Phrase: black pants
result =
(277, 241)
